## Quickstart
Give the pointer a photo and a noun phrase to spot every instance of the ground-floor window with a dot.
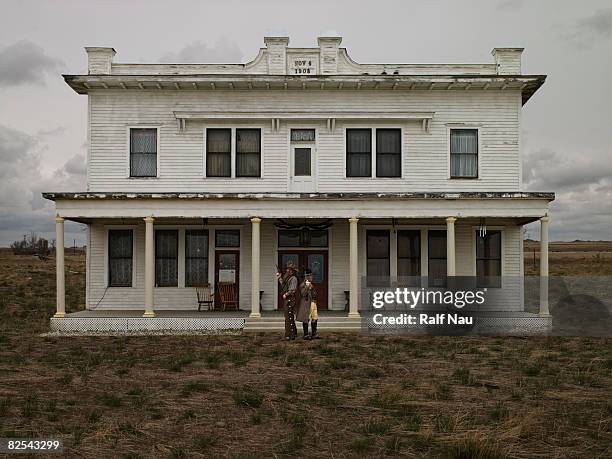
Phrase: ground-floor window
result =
(196, 258)
(166, 258)
(408, 256)
(436, 250)
(378, 251)
(120, 253)
(227, 238)
(488, 259)
(302, 238)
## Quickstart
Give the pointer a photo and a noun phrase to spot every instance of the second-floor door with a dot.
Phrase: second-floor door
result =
(302, 177)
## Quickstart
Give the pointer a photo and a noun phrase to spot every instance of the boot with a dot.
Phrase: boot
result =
(305, 328)
(314, 329)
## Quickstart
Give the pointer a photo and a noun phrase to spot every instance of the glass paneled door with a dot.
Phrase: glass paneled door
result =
(302, 177)
(227, 270)
(316, 261)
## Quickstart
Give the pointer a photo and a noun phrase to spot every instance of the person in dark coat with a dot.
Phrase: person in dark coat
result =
(289, 286)
(307, 310)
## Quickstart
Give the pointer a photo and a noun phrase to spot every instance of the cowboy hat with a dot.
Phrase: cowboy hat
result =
(290, 265)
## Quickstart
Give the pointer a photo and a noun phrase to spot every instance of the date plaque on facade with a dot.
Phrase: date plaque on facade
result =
(303, 65)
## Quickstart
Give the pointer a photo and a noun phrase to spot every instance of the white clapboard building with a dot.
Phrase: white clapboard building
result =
(210, 175)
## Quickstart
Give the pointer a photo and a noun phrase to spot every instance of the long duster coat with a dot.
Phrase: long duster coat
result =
(306, 297)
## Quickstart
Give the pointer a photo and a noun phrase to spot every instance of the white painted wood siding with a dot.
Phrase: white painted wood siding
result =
(99, 297)
(425, 155)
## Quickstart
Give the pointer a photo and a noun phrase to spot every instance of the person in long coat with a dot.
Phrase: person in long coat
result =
(289, 286)
(307, 308)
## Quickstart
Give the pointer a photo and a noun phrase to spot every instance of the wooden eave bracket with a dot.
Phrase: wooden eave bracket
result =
(330, 118)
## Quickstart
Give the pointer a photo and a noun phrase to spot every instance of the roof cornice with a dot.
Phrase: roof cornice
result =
(527, 84)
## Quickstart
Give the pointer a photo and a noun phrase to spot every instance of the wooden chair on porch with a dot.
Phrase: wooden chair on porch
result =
(227, 295)
(205, 297)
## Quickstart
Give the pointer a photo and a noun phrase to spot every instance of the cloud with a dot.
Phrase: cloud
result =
(510, 5)
(545, 170)
(25, 62)
(223, 51)
(583, 186)
(77, 165)
(22, 208)
(588, 29)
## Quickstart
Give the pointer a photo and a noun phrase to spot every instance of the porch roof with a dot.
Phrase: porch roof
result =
(477, 195)
(520, 206)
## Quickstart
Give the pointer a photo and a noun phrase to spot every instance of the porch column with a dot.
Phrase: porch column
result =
(255, 265)
(450, 246)
(59, 268)
(544, 312)
(353, 269)
(149, 267)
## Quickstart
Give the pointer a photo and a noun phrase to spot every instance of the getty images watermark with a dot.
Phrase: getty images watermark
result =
(500, 306)
(405, 298)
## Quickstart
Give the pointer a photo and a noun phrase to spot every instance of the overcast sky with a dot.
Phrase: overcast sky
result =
(567, 125)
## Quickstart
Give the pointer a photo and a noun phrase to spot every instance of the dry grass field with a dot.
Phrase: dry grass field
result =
(258, 396)
(580, 258)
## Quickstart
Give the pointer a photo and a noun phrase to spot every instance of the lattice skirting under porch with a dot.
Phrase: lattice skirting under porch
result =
(529, 324)
(155, 324)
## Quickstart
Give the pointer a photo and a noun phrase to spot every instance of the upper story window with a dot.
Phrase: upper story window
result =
(358, 152)
(388, 152)
(248, 152)
(238, 158)
(143, 152)
(464, 153)
(302, 135)
(218, 152)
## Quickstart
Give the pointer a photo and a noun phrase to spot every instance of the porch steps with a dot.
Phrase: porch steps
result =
(277, 323)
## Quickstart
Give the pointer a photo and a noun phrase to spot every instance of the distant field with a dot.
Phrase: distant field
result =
(345, 395)
(580, 258)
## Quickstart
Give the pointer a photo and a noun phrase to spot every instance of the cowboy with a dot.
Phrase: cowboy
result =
(307, 310)
(289, 286)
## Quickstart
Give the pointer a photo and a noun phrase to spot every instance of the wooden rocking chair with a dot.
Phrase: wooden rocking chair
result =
(205, 297)
(227, 295)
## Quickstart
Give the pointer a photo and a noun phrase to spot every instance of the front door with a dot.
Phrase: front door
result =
(316, 261)
(227, 269)
(302, 168)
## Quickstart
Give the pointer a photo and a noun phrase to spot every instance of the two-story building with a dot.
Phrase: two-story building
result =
(217, 173)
